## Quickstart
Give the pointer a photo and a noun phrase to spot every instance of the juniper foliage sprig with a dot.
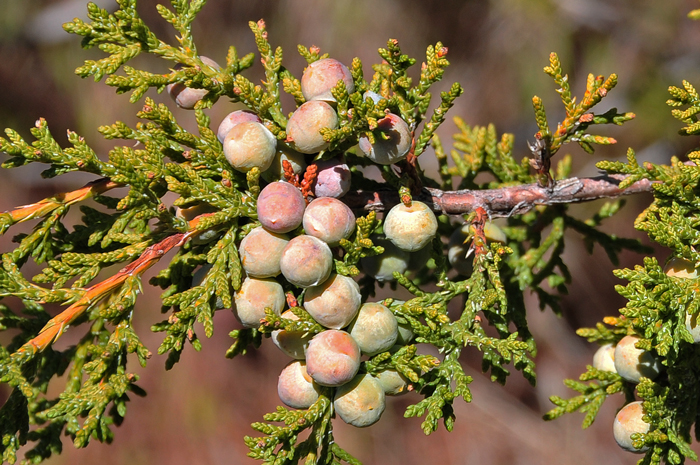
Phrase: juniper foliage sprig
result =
(658, 306)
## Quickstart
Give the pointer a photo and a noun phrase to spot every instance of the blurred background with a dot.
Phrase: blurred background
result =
(199, 411)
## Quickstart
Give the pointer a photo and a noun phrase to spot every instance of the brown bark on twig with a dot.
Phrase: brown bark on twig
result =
(505, 201)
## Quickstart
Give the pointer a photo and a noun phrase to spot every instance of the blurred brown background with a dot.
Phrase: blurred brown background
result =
(200, 411)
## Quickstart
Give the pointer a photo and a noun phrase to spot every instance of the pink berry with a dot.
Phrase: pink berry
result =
(280, 207)
(323, 75)
(332, 358)
(254, 297)
(304, 126)
(332, 178)
(250, 145)
(295, 387)
(232, 119)
(392, 141)
(328, 219)
(334, 303)
(306, 261)
(261, 251)
(629, 421)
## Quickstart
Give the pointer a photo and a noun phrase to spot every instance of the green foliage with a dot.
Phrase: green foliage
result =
(658, 303)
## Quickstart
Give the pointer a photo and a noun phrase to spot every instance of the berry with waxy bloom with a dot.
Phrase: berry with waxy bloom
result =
(305, 124)
(628, 421)
(392, 141)
(335, 302)
(254, 297)
(323, 75)
(411, 227)
(186, 97)
(261, 252)
(332, 358)
(332, 178)
(280, 207)
(375, 328)
(295, 387)
(250, 145)
(632, 363)
(232, 119)
(328, 219)
(306, 261)
(292, 343)
(361, 402)
(604, 358)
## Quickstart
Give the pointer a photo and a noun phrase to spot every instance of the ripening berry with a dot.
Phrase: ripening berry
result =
(328, 219)
(332, 178)
(323, 75)
(392, 382)
(334, 303)
(375, 328)
(361, 402)
(681, 268)
(232, 119)
(276, 170)
(261, 251)
(305, 124)
(295, 387)
(392, 141)
(250, 145)
(306, 261)
(604, 358)
(292, 343)
(280, 207)
(382, 267)
(628, 421)
(254, 297)
(332, 358)
(632, 363)
(187, 97)
(410, 228)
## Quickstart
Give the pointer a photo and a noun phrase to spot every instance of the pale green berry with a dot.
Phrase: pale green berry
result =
(412, 227)
(361, 402)
(375, 328)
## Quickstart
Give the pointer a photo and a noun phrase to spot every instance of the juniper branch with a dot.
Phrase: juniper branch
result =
(505, 201)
